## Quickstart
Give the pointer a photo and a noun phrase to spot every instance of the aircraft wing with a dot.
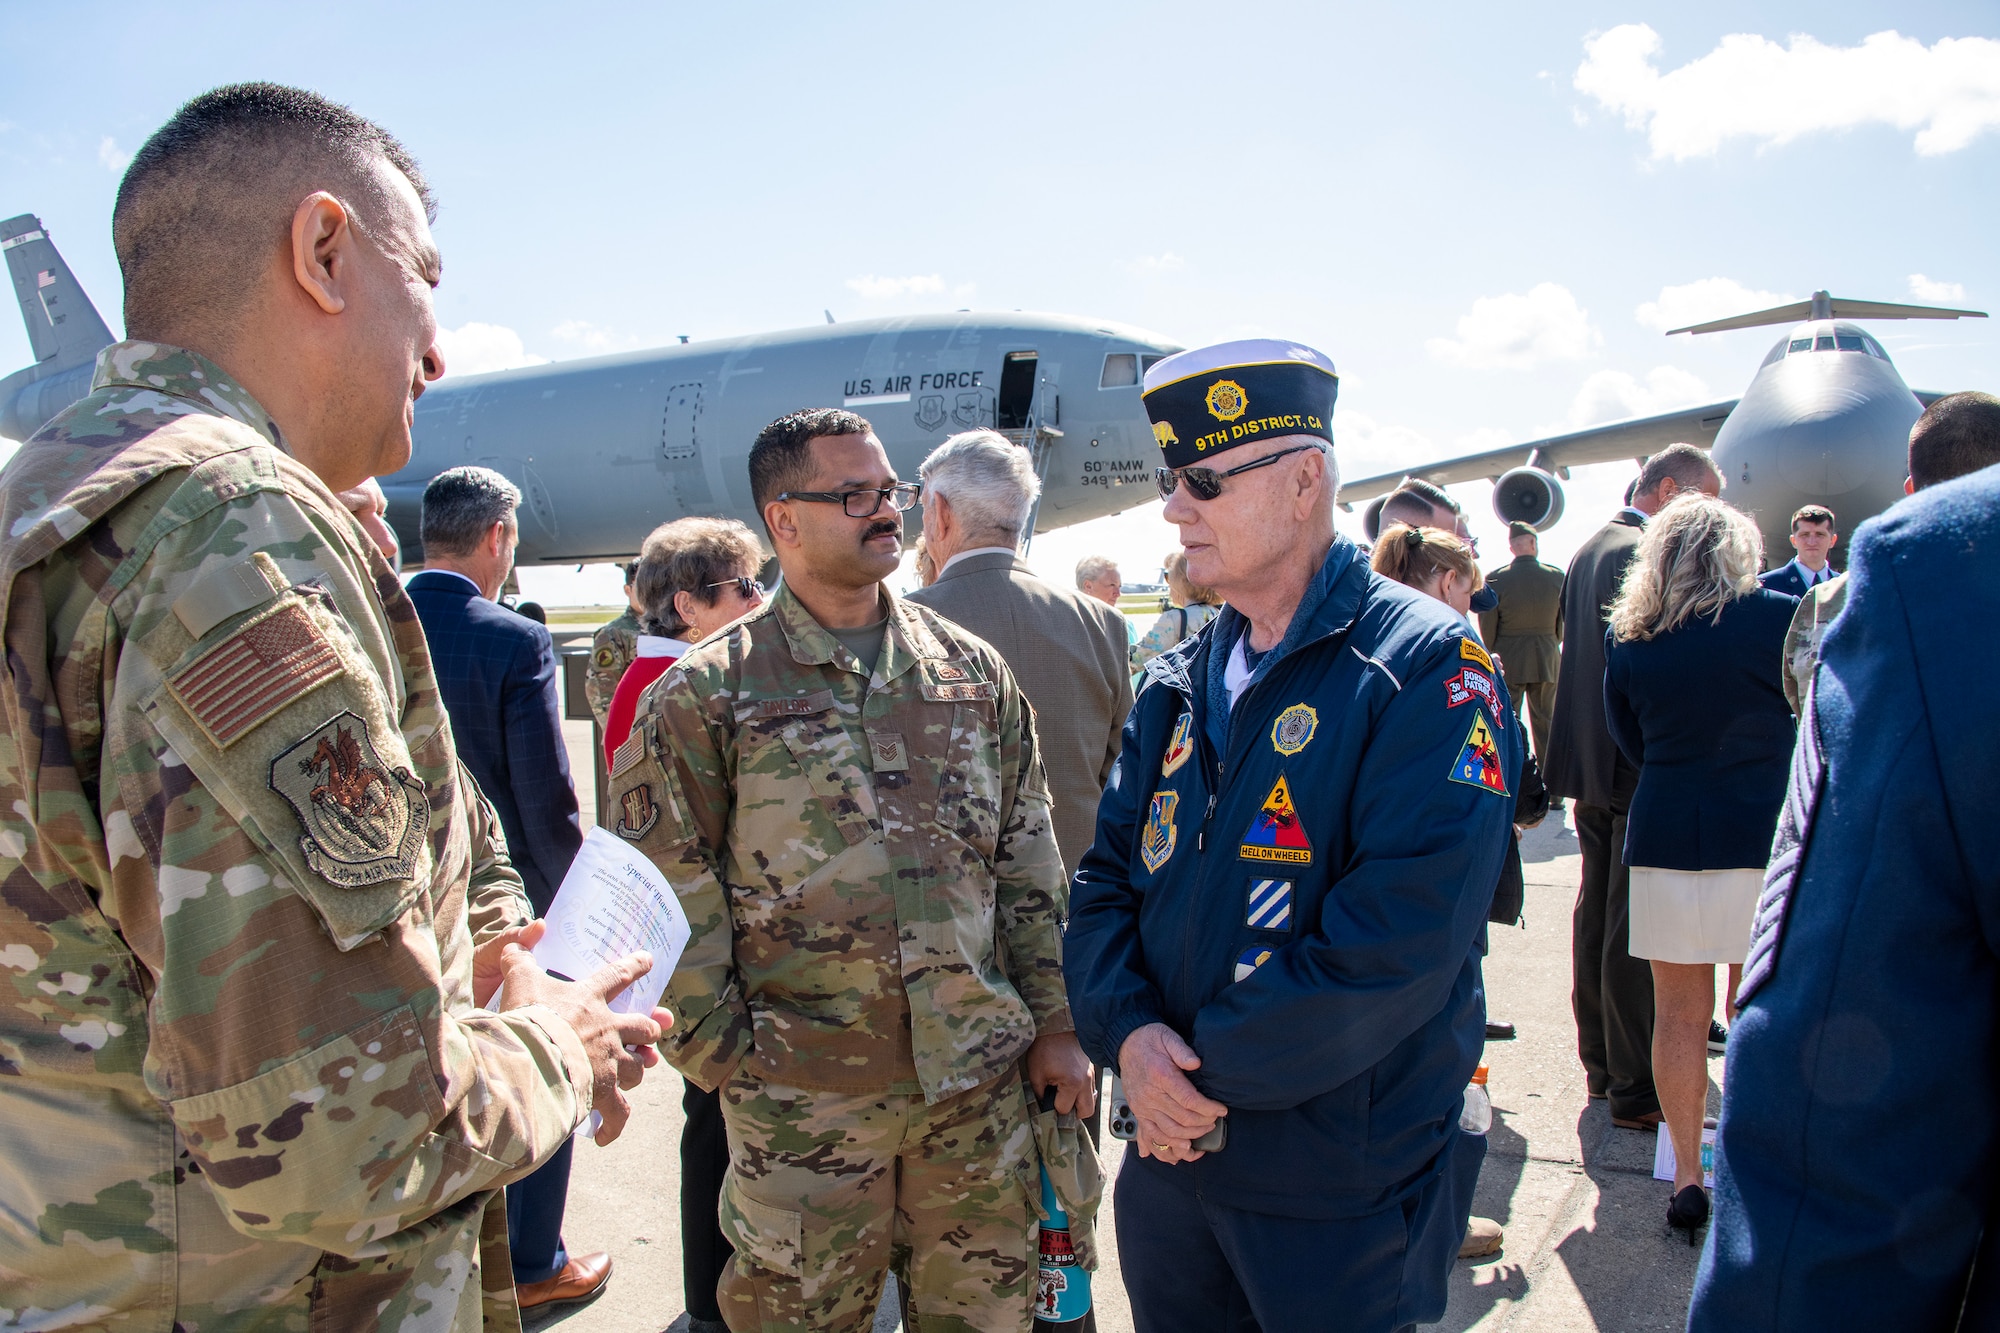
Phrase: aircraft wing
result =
(1608, 443)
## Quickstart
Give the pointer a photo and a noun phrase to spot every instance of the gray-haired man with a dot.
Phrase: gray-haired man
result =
(1066, 649)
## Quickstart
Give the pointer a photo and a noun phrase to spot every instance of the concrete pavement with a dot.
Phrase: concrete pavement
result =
(1587, 1245)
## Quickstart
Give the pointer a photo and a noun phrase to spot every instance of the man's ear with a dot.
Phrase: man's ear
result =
(778, 520)
(323, 250)
(496, 538)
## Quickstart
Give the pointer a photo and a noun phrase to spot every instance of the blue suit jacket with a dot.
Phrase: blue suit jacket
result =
(1860, 1153)
(497, 672)
(1786, 579)
(1701, 711)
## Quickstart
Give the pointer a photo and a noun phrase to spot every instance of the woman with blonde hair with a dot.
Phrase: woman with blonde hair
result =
(1432, 561)
(1193, 607)
(1693, 695)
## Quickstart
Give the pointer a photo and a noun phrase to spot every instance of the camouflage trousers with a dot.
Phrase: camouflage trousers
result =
(828, 1190)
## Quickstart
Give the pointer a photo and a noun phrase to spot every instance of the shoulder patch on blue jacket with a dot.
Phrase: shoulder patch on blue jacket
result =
(1478, 763)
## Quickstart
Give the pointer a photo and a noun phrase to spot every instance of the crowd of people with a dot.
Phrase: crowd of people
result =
(280, 829)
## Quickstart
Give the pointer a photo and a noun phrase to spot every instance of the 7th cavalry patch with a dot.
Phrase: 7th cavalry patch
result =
(1157, 843)
(364, 821)
(1478, 762)
(1276, 834)
(1179, 746)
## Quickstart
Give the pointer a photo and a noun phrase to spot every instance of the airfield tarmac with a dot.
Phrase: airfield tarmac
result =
(1587, 1244)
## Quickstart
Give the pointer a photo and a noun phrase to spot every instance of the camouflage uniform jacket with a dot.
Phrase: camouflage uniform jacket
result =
(866, 862)
(243, 1082)
(612, 649)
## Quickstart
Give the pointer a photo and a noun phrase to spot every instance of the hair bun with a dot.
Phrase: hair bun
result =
(1413, 538)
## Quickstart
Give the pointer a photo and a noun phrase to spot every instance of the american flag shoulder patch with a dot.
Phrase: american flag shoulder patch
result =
(276, 658)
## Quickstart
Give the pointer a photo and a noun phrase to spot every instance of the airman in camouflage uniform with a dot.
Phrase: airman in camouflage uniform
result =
(876, 897)
(612, 649)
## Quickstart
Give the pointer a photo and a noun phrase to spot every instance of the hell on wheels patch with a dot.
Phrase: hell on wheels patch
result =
(1276, 834)
(1478, 762)
(364, 821)
(1158, 843)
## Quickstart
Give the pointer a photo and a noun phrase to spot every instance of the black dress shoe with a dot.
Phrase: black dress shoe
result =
(1499, 1031)
(1688, 1211)
(1718, 1038)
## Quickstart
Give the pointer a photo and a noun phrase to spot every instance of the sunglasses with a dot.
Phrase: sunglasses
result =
(746, 587)
(1206, 482)
(863, 503)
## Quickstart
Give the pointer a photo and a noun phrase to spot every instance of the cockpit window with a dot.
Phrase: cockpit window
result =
(1801, 345)
(1121, 371)
(1850, 342)
(1874, 348)
(1146, 363)
(1824, 343)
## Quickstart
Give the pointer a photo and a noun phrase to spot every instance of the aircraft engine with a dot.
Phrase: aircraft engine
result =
(1528, 495)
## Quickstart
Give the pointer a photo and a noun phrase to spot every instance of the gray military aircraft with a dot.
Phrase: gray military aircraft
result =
(604, 449)
(1826, 420)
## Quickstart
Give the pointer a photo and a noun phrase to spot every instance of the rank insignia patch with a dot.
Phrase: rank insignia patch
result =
(1471, 685)
(364, 821)
(1179, 746)
(1472, 652)
(1158, 843)
(639, 812)
(1270, 905)
(1294, 729)
(1251, 959)
(1478, 762)
(1276, 834)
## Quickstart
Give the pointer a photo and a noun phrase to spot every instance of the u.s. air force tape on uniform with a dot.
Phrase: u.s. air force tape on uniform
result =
(275, 709)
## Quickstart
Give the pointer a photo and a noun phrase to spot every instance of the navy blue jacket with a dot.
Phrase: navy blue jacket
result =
(497, 672)
(1786, 579)
(1701, 711)
(1859, 1154)
(1353, 914)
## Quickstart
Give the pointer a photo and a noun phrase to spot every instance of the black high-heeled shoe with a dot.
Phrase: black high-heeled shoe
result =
(1688, 1211)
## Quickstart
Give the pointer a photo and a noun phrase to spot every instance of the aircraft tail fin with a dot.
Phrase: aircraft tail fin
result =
(64, 328)
(1824, 305)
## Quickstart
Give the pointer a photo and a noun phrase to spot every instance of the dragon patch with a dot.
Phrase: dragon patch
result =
(364, 821)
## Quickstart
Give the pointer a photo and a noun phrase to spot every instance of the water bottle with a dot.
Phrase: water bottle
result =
(1477, 1117)
(1062, 1287)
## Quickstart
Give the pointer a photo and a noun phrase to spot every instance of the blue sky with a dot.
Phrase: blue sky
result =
(1485, 214)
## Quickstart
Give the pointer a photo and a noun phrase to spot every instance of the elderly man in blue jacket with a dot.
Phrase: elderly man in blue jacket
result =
(1274, 936)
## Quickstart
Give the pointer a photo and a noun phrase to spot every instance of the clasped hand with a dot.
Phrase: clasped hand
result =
(1171, 1112)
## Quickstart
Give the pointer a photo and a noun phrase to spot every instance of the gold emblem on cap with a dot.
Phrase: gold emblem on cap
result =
(1226, 400)
(1164, 433)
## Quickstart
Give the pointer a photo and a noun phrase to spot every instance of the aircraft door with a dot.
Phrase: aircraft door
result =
(680, 429)
(1017, 391)
(693, 474)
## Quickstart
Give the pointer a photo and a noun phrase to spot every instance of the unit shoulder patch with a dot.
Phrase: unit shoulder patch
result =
(1294, 729)
(1251, 959)
(364, 821)
(1478, 760)
(1472, 652)
(1472, 685)
(1156, 846)
(1269, 905)
(274, 659)
(1275, 833)
(605, 657)
(638, 812)
(1179, 746)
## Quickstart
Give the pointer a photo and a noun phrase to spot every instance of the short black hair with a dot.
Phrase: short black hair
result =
(461, 505)
(1958, 434)
(1811, 514)
(778, 460)
(1686, 464)
(205, 196)
(1417, 502)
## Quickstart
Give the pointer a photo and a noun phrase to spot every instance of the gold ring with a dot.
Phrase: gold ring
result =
(1162, 1147)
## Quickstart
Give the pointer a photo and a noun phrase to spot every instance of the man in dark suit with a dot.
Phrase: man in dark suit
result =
(1524, 630)
(1858, 1163)
(497, 673)
(1813, 538)
(1066, 648)
(1612, 992)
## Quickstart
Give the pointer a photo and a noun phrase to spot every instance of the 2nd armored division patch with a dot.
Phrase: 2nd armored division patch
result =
(1478, 762)
(1275, 834)
(364, 821)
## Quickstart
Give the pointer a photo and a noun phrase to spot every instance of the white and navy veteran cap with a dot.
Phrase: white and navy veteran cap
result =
(1208, 399)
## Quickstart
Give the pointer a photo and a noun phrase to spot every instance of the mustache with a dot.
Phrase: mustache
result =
(882, 530)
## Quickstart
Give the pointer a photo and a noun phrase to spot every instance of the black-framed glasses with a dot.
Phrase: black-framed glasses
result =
(1206, 482)
(745, 586)
(863, 503)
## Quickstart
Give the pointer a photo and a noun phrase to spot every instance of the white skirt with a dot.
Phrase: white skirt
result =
(1693, 916)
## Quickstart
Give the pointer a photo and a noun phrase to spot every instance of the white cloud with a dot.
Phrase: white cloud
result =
(1702, 300)
(110, 156)
(1924, 289)
(1516, 332)
(1751, 87)
(1164, 262)
(475, 348)
(1613, 395)
(595, 340)
(873, 288)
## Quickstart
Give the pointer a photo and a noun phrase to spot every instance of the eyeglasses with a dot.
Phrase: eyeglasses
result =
(863, 503)
(1206, 482)
(746, 587)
